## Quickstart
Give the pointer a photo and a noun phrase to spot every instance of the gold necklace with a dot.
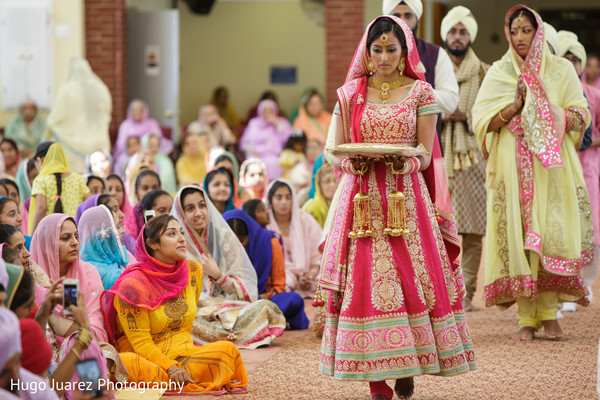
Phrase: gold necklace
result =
(385, 87)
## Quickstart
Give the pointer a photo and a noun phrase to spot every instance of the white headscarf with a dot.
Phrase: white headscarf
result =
(10, 336)
(569, 42)
(415, 5)
(222, 244)
(81, 114)
(459, 14)
(552, 38)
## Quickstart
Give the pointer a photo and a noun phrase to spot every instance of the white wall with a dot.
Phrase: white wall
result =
(237, 43)
(67, 13)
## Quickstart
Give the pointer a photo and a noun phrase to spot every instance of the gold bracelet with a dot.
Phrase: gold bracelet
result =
(363, 169)
(506, 121)
(76, 353)
(84, 337)
(396, 171)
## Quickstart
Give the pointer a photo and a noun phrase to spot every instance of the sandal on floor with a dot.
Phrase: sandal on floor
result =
(404, 387)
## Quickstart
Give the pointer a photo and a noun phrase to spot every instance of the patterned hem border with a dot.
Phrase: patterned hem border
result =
(392, 368)
(505, 291)
(389, 375)
(567, 267)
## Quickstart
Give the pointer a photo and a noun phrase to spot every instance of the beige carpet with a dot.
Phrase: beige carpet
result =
(507, 369)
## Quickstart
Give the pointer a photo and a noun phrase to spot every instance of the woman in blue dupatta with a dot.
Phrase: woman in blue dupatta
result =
(266, 255)
(118, 217)
(101, 244)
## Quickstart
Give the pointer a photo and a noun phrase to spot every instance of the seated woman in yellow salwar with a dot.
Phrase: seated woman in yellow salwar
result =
(150, 311)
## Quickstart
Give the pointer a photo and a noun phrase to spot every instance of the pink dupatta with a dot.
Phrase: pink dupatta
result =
(304, 232)
(45, 252)
(352, 101)
(129, 128)
(147, 284)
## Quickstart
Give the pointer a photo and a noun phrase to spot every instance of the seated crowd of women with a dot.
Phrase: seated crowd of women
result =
(172, 282)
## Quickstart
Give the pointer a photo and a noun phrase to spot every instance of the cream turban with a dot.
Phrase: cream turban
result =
(415, 5)
(569, 42)
(459, 14)
(552, 37)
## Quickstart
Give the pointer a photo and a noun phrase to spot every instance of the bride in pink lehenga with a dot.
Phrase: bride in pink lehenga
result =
(394, 302)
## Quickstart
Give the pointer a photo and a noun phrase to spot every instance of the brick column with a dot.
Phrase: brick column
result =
(106, 49)
(343, 30)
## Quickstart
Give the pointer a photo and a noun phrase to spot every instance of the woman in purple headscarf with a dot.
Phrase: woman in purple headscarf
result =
(138, 124)
(265, 137)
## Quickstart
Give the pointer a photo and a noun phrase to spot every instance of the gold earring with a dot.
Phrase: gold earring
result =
(371, 66)
(402, 65)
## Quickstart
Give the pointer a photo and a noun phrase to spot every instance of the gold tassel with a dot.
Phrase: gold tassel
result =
(473, 157)
(361, 226)
(456, 162)
(396, 215)
(318, 301)
(466, 162)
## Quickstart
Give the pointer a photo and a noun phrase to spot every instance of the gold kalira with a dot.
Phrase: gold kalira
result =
(362, 217)
(361, 226)
(396, 215)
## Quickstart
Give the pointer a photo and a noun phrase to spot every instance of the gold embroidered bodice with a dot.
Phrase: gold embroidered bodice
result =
(392, 123)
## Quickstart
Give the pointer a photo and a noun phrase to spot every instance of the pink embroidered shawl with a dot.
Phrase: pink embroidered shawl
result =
(542, 132)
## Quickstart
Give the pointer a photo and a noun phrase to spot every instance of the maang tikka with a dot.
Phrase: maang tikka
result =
(519, 19)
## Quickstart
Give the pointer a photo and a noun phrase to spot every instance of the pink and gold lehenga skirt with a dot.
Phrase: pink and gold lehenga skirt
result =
(399, 312)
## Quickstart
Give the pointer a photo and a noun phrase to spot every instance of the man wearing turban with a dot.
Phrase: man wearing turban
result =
(463, 159)
(438, 67)
(551, 37)
(571, 49)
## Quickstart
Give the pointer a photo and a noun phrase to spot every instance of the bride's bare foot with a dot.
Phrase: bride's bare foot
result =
(552, 330)
(525, 334)
(468, 306)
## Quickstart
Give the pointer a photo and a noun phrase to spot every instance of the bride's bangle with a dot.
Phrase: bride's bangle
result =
(411, 165)
(348, 167)
(345, 165)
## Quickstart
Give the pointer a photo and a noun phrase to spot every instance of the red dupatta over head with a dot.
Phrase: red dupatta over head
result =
(352, 99)
(147, 284)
